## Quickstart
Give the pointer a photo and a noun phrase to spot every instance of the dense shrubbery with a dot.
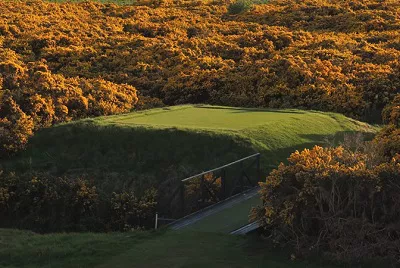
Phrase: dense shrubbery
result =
(33, 97)
(46, 203)
(71, 60)
(239, 6)
(342, 202)
(388, 140)
(15, 126)
(391, 113)
(335, 201)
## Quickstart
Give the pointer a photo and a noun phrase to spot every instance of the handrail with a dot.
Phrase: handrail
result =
(221, 167)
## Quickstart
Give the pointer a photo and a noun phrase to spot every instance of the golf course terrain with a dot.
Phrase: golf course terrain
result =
(182, 133)
(175, 142)
(141, 150)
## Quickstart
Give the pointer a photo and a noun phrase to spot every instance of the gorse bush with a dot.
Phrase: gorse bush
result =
(72, 60)
(341, 202)
(33, 97)
(15, 126)
(391, 113)
(388, 140)
(332, 200)
(336, 201)
(239, 6)
(47, 203)
(128, 211)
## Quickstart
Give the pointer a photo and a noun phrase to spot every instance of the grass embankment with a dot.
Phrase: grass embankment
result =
(141, 149)
(144, 148)
(137, 249)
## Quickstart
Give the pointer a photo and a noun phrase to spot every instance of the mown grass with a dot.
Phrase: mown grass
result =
(138, 249)
(141, 149)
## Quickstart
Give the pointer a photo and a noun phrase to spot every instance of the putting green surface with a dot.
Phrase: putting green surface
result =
(215, 117)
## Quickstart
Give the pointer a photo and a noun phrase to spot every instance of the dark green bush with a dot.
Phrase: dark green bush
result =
(46, 203)
(239, 6)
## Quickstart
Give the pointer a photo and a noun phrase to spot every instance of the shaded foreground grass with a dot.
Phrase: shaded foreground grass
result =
(137, 249)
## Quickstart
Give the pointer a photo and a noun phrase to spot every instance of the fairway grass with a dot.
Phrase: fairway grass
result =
(143, 249)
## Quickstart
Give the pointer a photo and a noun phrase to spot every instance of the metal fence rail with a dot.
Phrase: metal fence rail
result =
(209, 187)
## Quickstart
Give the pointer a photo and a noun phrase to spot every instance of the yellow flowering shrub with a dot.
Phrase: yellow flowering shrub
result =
(15, 126)
(33, 97)
(331, 55)
(391, 113)
(336, 201)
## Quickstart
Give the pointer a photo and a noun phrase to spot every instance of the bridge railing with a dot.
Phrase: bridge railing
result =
(183, 197)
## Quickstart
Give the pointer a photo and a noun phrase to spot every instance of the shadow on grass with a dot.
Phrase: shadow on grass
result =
(126, 157)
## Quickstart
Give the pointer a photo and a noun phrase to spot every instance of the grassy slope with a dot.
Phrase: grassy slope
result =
(136, 249)
(140, 150)
(148, 147)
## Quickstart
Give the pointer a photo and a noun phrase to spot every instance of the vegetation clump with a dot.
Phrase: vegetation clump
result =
(338, 201)
(33, 98)
(239, 6)
(63, 61)
(43, 202)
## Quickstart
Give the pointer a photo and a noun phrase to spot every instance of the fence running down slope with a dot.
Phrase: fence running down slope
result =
(215, 200)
